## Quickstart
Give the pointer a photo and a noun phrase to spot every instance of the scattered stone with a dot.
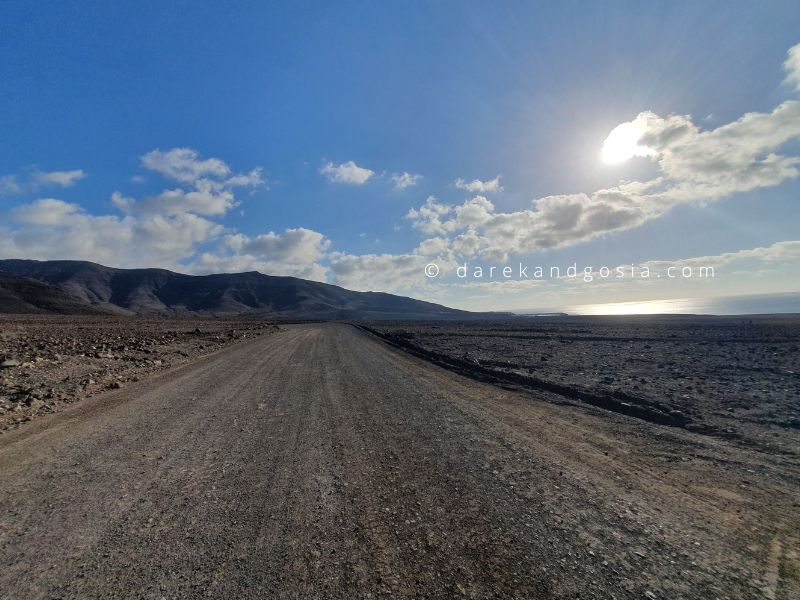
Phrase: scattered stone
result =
(59, 360)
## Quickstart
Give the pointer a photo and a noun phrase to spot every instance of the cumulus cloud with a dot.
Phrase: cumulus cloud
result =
(51, 229)
(296, 246)
(174, 229)
(696, 166)
(10, 185)
(252, 179)
(474, 212)
(349, 173)
(378, 272)
(203, 201)
(433, 247)
(44, 212)
(210, 185)
(36, 180)
(478, 186)
(294, 252)
(737, 157)
(184, 165)
(433, 217)
(164, 230)
(206, 175)
(179, 227)
(428, 217)
(59, 178)
(792, 67)
(779, 252)
(475, 227)
(405, 180)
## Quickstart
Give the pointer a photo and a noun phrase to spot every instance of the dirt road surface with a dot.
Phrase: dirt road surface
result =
(320, 463)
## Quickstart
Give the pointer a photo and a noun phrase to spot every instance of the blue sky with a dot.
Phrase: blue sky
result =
(106, 100)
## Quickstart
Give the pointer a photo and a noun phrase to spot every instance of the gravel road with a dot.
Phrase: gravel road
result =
(320, 463)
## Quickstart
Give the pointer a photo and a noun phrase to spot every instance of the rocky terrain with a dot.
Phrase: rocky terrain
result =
(731, 377)
(47, 363)
(319, 462)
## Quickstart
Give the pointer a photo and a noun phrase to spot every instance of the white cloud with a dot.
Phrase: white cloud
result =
(60, 178)
(792, 67)
(737, 157)
(44, 212)
(53, 229)
(788, 251)
(434, 247)
(252, 179)
(294, 252)
(478, 186)
(211, 180)
(348, 172)
(297, 246)
(9, 185)
(166, 230)
(428, 217)
(176, 228)
(378, 272)
(184, 165)
(204, 201)
(467, 244)
(695, 167)
(476, 211)
(475, 227)
(405, 180)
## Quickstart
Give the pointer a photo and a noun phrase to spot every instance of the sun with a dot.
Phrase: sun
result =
(623, 143)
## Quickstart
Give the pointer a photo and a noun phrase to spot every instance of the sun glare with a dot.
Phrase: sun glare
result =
(643, 307)
(623, 143)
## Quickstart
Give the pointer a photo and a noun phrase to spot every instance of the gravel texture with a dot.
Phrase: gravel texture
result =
(47, 363)
(731, 377)
(320, 462)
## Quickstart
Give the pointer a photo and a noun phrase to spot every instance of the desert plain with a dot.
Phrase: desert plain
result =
(526, 458)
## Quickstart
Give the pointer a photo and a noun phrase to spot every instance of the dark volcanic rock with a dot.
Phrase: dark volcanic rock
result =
(728, 377)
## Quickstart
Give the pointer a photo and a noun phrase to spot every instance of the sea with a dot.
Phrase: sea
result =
(757, 304)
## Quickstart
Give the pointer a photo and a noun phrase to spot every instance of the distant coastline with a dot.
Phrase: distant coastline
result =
(755, 304)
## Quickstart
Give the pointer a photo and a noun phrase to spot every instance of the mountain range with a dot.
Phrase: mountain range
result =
(80, 287)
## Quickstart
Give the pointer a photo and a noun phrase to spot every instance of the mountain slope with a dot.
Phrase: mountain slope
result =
(159, 292)
(21, 295)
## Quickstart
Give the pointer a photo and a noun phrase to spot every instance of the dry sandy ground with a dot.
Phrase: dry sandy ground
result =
(49, 362)
(319, 462)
